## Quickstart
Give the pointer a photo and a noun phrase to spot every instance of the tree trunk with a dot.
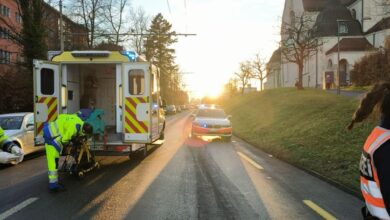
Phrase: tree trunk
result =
(299, 83)
(261, 85)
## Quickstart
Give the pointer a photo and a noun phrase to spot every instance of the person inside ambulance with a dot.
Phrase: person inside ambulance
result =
(58, 134)
(375, 163)
(9, 151)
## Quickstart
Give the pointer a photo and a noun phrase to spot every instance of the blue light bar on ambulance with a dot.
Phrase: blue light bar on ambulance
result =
(130, 54)
(90, 53)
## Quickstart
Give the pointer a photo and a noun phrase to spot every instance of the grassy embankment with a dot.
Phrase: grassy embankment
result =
(305, 128)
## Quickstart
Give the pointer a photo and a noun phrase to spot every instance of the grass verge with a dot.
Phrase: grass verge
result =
(305, 128)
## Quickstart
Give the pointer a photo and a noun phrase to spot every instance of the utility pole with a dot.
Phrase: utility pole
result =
(61, 29)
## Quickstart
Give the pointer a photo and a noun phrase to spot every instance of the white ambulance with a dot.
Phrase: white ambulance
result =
(121, 84)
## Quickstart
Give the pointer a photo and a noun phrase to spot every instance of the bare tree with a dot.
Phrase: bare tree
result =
(139, 25)
(115, 17)
(245, 74)
(299, 43)
(259, 69)
(90, 14)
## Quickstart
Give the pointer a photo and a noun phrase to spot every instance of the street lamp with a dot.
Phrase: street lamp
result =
(338, 50)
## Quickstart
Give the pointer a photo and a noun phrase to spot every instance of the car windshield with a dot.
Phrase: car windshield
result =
(11, 122)
(211, 113)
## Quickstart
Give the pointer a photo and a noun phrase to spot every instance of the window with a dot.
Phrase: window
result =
(343, 29)
(5, 33)
(4, 10)
(136, 82)
(330, 64)
(353, 13)
(292, 17)
(5, 57)
(18, 17)
(47, 81)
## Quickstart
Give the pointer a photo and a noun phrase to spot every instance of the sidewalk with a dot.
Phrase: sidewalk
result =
(353, 94)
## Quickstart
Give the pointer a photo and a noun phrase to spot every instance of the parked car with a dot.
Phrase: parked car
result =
(212, 122)
(170, 110)
(178, 108)
(19, 127)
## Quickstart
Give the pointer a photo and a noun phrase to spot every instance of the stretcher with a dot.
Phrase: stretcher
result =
(78, 158)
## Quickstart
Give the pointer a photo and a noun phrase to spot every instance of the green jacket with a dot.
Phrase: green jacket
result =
(69, 126)
(5, 143)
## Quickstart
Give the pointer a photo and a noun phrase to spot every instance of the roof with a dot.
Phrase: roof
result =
(352, 44)
(319, 5)
(326, 23)
(381, 25)
(15, 114)
(276, 56)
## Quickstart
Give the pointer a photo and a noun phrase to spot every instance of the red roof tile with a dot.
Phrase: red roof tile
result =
(352, 44)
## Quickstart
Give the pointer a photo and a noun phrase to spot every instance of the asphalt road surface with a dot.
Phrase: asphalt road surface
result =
(184, 178)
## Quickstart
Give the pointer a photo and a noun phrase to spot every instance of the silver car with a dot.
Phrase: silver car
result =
(212, 122)
(19, 127)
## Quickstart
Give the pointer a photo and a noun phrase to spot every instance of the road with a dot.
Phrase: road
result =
(182, 179)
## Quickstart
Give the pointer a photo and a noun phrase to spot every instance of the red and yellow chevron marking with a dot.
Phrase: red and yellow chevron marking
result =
(132, 125)
(51, 103)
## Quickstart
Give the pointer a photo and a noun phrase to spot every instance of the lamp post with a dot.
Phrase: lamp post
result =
(338, 51)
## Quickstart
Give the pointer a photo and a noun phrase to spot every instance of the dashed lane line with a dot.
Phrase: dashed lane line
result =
(250, 160)
(17, 208)
(324, 214)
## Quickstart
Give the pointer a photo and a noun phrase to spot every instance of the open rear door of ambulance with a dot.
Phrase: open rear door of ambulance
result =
(46, 95)
(136, 99)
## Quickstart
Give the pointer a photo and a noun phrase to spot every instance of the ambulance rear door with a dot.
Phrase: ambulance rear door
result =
(136, 99)
(47, 94)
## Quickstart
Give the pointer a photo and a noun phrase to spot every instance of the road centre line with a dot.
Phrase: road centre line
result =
(324, 214)
(17, 208)
(250, 160)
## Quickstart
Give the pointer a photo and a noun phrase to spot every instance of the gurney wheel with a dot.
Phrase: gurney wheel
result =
(80, 174)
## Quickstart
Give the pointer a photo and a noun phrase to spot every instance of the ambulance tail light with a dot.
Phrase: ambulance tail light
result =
(120, 92)
(64, 97)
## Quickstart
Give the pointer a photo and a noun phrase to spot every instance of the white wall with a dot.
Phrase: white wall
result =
(378, 39)
(373, 13)
(358, 8)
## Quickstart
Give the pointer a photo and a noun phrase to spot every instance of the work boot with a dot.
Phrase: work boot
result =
(56, 188)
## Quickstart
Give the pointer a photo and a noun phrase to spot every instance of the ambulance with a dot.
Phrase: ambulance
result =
(121, 84)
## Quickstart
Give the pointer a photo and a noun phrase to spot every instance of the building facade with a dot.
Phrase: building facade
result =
(11, 24)
(362, 26)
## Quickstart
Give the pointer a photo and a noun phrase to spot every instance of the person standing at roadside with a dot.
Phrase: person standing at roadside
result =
(375, 162)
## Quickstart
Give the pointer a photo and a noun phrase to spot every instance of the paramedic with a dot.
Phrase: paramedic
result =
(374, 163)
(58, 134)
(9, 151)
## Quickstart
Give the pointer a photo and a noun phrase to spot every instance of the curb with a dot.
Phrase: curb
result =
(332, 182)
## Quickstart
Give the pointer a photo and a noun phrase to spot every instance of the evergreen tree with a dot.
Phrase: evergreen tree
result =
(33, 32)
(158, 51)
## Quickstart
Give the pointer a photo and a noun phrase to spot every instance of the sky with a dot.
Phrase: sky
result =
(227, 33)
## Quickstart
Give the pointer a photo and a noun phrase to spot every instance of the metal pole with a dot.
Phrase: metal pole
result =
(316, 86)
(61, 29)
(338, 58)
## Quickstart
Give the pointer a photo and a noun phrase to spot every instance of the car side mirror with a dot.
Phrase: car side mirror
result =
(30, 127)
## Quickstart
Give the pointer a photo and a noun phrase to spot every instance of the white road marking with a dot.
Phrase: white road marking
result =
(324, 214)
(17, 208)
(250, 160)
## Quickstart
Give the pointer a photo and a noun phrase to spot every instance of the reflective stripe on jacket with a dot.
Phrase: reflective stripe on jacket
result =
(369, 182)
(62, 130)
